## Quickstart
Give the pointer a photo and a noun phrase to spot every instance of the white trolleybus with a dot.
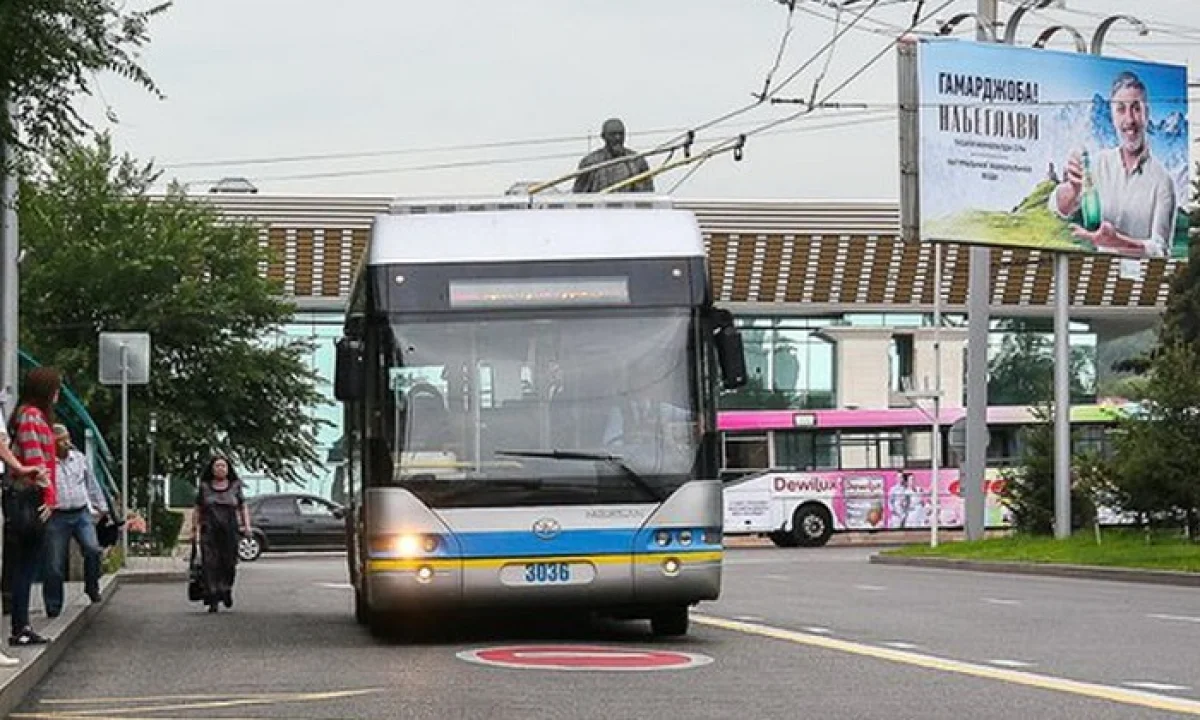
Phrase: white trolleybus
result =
(530, 406)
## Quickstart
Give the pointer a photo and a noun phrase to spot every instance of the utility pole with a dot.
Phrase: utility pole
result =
(9, 258)
(979, 293)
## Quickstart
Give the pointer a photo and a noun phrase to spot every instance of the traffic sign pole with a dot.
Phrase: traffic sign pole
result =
(125, 452)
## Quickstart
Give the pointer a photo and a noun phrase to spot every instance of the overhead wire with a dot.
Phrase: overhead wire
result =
(490, 162)
(737, 143)
(837, 21)
(810, 108)
(783, 42)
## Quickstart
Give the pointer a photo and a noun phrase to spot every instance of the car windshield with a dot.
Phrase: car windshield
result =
(534, 410)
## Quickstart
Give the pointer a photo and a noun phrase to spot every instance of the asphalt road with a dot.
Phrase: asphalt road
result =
(809, 633)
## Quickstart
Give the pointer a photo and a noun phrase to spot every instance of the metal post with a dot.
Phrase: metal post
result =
(1062, 397)
(978, 325)
(125, 451)
(935, 485)
(152, 486)
(10, 253)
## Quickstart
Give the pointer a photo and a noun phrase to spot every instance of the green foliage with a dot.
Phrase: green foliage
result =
(50, 52)
(1157, 461)
(112, 560)
(1029, 487)
(164, 529)
(105, 256)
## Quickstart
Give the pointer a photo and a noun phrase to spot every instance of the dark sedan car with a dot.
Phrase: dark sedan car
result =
(292, 521)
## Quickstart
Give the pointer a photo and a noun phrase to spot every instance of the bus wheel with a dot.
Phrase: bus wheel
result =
(670, 621)
(812, 525)
(783, 539)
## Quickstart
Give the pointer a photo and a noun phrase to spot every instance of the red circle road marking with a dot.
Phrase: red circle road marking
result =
(583, 657)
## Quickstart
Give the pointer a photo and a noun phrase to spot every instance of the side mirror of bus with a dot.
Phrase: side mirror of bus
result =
(731, 354)
(349, 371)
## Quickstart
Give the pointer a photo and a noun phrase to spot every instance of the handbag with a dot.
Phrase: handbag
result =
(23, 512)
(195, 588)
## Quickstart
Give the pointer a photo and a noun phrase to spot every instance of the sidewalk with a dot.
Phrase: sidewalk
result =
(17, 681)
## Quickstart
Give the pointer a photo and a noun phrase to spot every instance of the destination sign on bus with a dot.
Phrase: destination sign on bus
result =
(539, 293)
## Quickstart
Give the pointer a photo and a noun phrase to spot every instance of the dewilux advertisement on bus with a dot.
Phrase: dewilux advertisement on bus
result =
(1022, 147)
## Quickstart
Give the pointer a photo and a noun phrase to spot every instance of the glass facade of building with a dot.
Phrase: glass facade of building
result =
(321, 331)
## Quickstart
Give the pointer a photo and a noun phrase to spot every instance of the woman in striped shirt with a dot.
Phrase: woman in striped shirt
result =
(34, 446)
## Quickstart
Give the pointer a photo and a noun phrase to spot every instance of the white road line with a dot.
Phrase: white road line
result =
(1011, 663)
(748, 618)
(1001, 601)
(1111, 693)
(902, 645)
(776, 577)
(1156, 686)
(870, 588)
(337, 586)
(1175, 618)
(818, 630)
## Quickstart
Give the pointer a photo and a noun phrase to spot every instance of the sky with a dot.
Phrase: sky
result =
(384, 84)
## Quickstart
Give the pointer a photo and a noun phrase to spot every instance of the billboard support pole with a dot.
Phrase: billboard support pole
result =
(936, 453)
(1062, 397)
(978, 324)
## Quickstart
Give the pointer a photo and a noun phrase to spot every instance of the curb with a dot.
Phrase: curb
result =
(36, 664)
(1081, 572)
(153, 577)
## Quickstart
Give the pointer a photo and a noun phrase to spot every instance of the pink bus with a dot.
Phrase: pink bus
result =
(798, 476)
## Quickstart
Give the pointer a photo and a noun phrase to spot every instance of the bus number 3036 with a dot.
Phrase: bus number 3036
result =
(547, 572)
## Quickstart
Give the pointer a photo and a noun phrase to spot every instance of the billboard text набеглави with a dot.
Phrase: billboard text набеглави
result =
(1023, 147)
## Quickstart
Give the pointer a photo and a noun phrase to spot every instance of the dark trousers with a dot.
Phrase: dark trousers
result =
(23, 556)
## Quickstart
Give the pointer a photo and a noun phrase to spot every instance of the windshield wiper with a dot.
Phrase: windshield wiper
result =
(614, 460)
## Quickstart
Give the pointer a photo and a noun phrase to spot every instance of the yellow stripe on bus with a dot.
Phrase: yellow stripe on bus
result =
(412, 564)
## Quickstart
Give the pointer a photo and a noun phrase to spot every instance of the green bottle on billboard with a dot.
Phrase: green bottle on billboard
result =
(1090, 202)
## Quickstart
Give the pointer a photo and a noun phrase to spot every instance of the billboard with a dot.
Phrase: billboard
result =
(1021, 147)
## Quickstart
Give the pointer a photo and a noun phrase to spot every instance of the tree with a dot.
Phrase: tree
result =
(1157, 459)
(1029, 488)
(50, 51)
(1022, 372)
(104, 255)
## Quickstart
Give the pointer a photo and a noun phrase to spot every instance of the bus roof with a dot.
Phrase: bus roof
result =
(509, 231)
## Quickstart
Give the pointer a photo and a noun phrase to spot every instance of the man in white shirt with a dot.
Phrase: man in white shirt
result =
(1137, 196)
(79, 502)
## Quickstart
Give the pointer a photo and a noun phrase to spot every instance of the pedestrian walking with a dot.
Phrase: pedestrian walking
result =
(34, 446)
(79, 504)
(221, 518)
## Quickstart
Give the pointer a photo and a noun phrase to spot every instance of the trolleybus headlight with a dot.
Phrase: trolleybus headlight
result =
(424, 574)
(430, 543)
(671, 567)
(662, 538)
(685, 537)
(712, 536)
(408, 545)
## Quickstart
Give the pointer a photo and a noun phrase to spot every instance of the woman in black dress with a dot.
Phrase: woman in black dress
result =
(223, 519)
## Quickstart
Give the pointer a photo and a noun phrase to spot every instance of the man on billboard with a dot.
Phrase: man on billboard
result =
(1122, 200)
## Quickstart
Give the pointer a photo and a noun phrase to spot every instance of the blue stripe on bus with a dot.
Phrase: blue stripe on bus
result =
(523, 543)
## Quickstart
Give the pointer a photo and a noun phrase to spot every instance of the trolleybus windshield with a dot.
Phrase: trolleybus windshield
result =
(539, 409)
